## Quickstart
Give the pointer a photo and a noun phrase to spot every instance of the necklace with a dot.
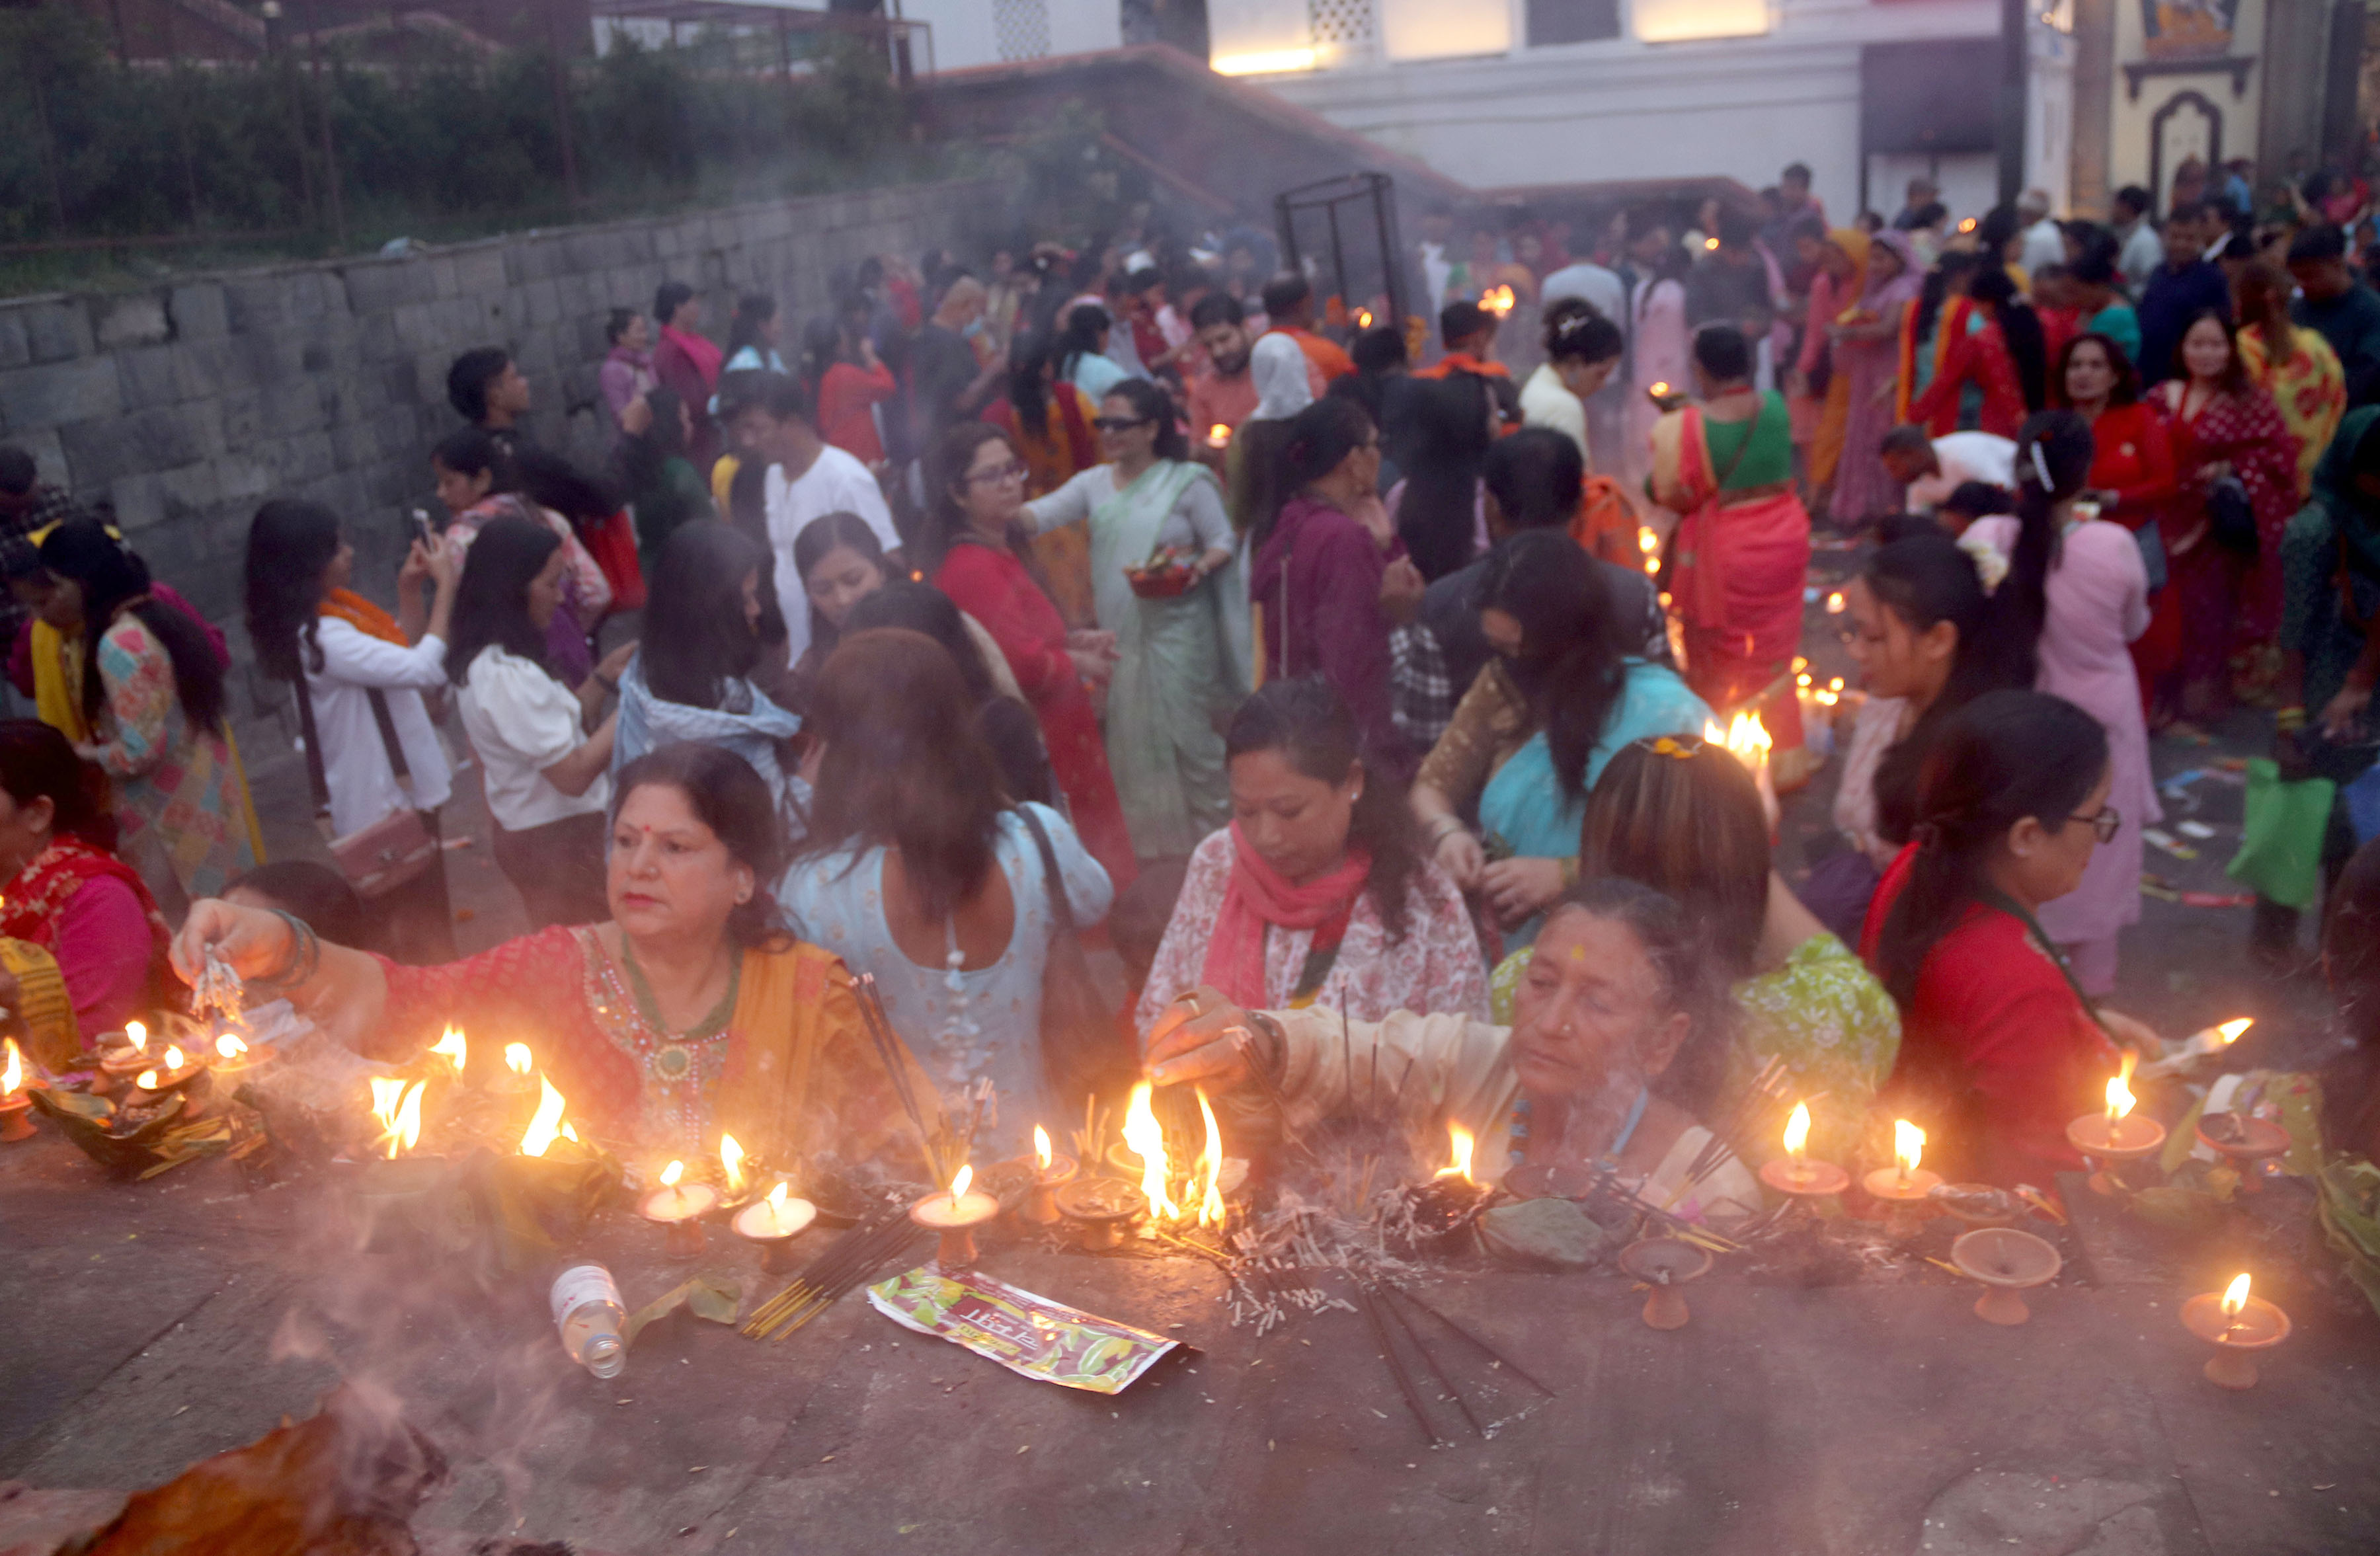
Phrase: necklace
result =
(672, 1058)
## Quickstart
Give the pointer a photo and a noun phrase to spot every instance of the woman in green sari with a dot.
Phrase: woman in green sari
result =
(1159, 536)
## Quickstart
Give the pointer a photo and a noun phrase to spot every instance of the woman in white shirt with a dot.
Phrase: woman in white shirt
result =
(361, 690)
(548, 779)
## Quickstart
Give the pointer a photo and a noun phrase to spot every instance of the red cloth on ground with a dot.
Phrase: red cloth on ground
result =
(993, 587)
(1998, 1052)
(847, 396)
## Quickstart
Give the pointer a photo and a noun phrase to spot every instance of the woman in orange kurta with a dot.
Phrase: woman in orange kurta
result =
(1049, 420)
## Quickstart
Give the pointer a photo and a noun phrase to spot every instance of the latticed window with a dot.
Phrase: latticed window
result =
(1021, 28)
(1340, 26)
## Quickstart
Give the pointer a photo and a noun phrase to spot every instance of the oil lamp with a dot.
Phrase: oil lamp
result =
(2245, 1141)
(679, 1208)
(124, 1054)
(2006, 1261)
(1796, 1175)
(16, 1105)
(2114, 1135)
(1905, 1186)
(772, 1222)
(2236, 1325)
(1050, 1174)
(1100, 1209)
(1664, 1264)
(956, 1215)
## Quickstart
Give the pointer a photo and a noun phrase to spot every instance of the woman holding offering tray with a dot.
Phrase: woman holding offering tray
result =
(1618, 1033)
(688, 1013)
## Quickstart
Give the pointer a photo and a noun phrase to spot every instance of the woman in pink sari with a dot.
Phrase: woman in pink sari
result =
(1867, 346)
(1741, 556)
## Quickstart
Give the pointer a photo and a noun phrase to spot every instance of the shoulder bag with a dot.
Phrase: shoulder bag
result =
(1084, 1049)
(395, 850)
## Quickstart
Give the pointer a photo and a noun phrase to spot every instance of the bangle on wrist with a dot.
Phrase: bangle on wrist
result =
(1445, 827)
(304, 957)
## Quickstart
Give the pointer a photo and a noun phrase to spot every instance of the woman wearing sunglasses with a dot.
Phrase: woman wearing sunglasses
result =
(1156, 515)
(1999, 1045)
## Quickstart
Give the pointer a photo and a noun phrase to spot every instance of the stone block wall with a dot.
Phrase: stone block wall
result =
(188, 404)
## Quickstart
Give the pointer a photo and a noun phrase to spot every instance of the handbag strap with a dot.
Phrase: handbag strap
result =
(1062, 912)
(317, 778)
(389, 742)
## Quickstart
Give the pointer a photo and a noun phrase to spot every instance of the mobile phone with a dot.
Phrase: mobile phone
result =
(421, 529)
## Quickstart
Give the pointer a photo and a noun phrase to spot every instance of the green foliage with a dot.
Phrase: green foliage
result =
(447, 143)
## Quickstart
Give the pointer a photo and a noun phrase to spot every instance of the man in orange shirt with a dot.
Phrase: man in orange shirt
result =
(1289, 301)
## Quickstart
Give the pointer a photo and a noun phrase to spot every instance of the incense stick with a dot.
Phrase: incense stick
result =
(1388, 1310)
(889, 1051)
(1398, 1369)
(1498, 1357)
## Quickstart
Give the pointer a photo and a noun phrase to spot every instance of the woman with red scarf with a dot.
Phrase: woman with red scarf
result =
(2132, 474)
(65, 892)
(687, 363)
(1317, 892)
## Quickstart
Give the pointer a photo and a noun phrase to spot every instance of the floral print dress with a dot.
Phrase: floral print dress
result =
(2309, 388)
(180, 808)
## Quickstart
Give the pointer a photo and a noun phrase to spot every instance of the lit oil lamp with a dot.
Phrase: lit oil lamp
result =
(956, 1215)
(452, 1048)
(1796, 1175)
(397, 1106)
(772, 1223)
(124, 1054)
(1100, 1209)
(1498, 300)
(2116, 1135)
(519, 1064)
(679, 1208)
(730, 1164)
(170, 1071)
(1905, 1186)
(2006, 1261)
(1050, 1174)
(2246, 1141)
(547, 1125)
(1665, 1264)
(2236, 1325)
(15, 1103)
(1218, 436)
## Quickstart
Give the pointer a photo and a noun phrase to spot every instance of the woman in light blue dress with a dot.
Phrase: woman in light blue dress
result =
(917, 870)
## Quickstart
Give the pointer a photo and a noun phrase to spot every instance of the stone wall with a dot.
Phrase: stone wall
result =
(187, 404)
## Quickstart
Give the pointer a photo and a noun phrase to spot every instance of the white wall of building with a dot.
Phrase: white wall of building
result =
(971, 32)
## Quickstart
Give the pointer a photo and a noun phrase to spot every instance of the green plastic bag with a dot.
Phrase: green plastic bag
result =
(2280, 846)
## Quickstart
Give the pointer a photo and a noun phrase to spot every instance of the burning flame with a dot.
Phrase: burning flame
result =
(1797, 1131)
(1908, 1146)
(403, 1123)
(1711, 243)
(1218, 436)
(517, 1058)
(1835, 603)
(964, 1176)
(174, 1060)
(1212, 1211)
(777, 1202)
(2120, 1092)
(1496, 300)
(1042, 1147)
(2229, 1031)
(1661, 391)
(1747, 740)
(1968, 225)
(1362, 317)
(672, 1174)
(230, 1047)
(146, 1080)
(1145, 1137)
(139, 1036)
(451, 1047)
(1459, 1142)
(2235, 1295)
(1802, 680)
(731, 1161)
(14, 1075)
(546, 1124)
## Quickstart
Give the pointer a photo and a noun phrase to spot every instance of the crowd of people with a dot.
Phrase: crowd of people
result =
(1359, 687)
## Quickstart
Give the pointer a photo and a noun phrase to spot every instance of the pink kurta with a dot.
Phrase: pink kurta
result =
(2098, 603)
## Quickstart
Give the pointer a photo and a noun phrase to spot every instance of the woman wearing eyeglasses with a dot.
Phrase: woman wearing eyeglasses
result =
(1151, 506)
(2079, 584)
(2000, 1047)
(976, 482)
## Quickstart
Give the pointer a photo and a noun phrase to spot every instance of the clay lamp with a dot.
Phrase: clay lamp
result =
(1664, 1264)
(2114, 1137)
(236, 1055)
(1796, 1175)
(1904, 1186)
(955, 1216)
(1978, 1204)
(170, 1071)
(15, 1103)
(2006, 1262)
(772, 1223)
(123, 1055)
(678, 1208)
(1100, 1209)
(2246, 1141)
(2237, 1326)
(1050, 1174)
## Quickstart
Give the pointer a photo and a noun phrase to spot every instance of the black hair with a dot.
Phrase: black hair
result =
(491, 600)
(1925, 215)
(818, 537)
(1586, 337)
(1721, 351)
(1151, 402)
(1690, 982)
(752, 310)
(1536, 476)
(1028, 385)
(1910, 437)
(289, 543)
(1800, 170)
(1461, 320)
(920, 607)
(1735, 227)
(468, 451)
(314, 895)
(2317, 243)
(1923, 578)
(17, 471)
(616, 323)
(1377, 349)
(1311, 726)
(1978, 499)
(38, 763)
(2094, 267)
(550, 482)
(2021, 605)
(2021, 327)
(668, 298)
(821, 348)
(1216, 308)
(783, 395)
(2124, 391)
(1285, 291)
(112, 577)
(1085, 323)
(2006, 756)
(694, 639)
(736, 804)
(1999, 226)
(1571, 665)
(2134, 197)
(1315, 441)
(467, 380)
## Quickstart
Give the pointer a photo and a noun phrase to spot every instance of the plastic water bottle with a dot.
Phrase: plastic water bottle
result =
(587, 1312)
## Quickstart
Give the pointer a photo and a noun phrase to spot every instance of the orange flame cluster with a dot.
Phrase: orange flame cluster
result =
(12, 1076)
(397, 1105)
(1458, 1143)
(1202, 1200)
(1496, 300)
(230, 1047)
(451, 1047)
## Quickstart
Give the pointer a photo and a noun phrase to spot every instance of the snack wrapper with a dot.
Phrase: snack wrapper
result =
(1032, 1335)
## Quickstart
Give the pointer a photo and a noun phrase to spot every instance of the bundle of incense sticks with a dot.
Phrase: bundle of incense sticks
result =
(889, 1052)
(1377, 1300)
(846, 1262)
(1769, 1085)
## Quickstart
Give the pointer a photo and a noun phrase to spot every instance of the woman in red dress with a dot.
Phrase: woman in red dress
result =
(2132, 475)
(1999, 1048)
(2221, 425)
(977, 490)
(2003, 359)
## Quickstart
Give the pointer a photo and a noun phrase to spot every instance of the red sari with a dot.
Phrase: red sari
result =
(92, 912)
(1998, 1052)
(2227, 602)
(1067, 448)
(989, 584)
(1981, 358)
